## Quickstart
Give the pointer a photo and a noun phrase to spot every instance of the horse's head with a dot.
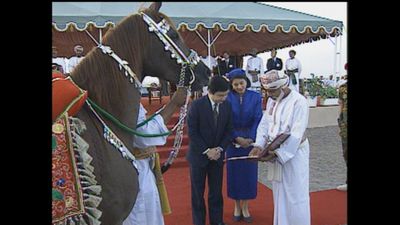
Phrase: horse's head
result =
(166, 55)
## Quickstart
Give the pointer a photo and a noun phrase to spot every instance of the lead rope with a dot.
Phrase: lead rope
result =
(114, 140)
(179, 126)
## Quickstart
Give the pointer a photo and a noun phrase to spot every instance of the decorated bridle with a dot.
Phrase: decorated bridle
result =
(160, 29)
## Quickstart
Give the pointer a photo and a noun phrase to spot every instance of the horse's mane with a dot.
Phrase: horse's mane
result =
(126, 40)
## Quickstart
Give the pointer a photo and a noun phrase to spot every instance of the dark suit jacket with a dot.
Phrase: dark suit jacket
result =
(223, 68)
(271, 65)
(202, 131)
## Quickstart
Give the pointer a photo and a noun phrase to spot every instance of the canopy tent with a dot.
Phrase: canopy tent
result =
(208, 27)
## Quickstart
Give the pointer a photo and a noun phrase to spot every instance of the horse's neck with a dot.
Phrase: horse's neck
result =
(113, 172)
(123, 102)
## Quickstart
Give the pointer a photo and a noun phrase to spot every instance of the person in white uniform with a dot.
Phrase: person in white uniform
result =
(254, 68)
(210, 62)
(150, 203)
(293, 70)
(76, 59)
(288, 166)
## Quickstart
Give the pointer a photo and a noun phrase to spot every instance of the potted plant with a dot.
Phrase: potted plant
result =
(329, 96)
(313, 88)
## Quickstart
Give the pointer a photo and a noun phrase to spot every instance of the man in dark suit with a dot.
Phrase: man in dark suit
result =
(225, 65)
(274, 63)
(210, 127)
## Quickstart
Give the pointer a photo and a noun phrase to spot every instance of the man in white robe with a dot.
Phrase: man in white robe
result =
(293, 70)
(254, 68)
(76, 59)
(288, 166)
(147, 209)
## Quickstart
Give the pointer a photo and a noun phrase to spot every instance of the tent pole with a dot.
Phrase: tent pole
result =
(340, 56)
(216, 37)
(334, 57)
(100, 36)
(207, 43)
(209, 48)
(201, 37)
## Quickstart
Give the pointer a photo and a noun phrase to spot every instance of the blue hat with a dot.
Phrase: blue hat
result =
(239, 74)
(236, 73)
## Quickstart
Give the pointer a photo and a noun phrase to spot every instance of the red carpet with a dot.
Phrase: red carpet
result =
(327, 207)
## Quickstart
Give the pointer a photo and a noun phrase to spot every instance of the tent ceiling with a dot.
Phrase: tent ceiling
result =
(244, 25)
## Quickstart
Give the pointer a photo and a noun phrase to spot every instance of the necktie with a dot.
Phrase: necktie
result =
(215, 113)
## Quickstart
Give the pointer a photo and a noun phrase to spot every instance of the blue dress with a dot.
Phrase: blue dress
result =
(242, 174)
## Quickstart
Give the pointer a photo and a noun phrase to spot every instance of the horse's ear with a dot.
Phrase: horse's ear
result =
(155, 6)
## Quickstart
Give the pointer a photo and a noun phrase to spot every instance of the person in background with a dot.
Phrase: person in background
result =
(225, 65)
(74, 60)
(274, 63)
(330, 81)
(242, 174)
(254, 68)
(210, 61)
(342, 121)
(210, 127)
(58, 62)
(164, 87)
(293, 70)
(343, 79)
(152, 200)
(287, 166)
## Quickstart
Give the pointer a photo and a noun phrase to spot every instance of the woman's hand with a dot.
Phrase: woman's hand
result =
(255, 151)
(244, 142)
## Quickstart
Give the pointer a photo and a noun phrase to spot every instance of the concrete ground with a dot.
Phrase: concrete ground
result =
(323, 116)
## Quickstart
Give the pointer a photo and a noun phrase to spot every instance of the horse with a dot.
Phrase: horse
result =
(146, 53)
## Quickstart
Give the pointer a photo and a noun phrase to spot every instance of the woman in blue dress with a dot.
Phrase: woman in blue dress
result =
(242, 174)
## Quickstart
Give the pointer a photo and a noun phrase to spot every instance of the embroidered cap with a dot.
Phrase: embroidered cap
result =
(274, 80)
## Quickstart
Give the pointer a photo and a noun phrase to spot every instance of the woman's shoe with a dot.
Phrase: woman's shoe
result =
(237, 218)
(248, 219)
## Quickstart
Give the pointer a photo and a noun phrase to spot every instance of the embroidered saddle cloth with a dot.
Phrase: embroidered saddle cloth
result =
(75, 192)
(67, 196)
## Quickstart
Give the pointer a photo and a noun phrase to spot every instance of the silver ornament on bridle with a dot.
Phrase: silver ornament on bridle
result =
(161, 29)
